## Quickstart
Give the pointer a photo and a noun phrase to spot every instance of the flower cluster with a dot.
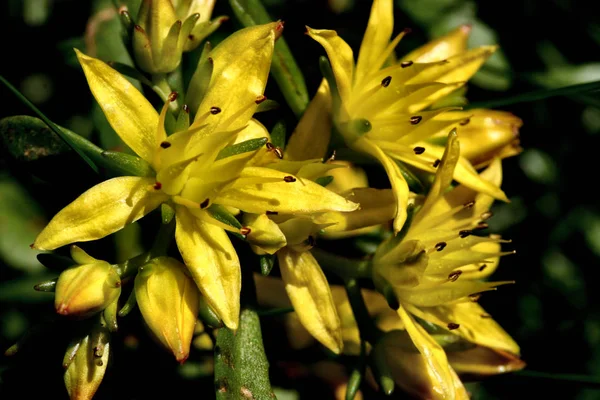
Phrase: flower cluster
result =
(232, 197)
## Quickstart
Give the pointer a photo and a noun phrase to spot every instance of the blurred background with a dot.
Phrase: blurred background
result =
(553, 310)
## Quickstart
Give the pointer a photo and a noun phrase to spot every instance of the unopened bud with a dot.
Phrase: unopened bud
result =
(168, 300)
(85, 368)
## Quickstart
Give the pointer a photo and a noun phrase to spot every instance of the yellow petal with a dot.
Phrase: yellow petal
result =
(484, 361)
(442, 48)
(399, 185)
(168, 300)
(340, 56)
(475, 325)
(212, 262)
(440, 373)
(375, 40)
(311, 136)
(345, 179)
(311, 296)
(240, 70)
(281, 193)
(84, 373)
(100, 211)
(127, 110)
(433, 295)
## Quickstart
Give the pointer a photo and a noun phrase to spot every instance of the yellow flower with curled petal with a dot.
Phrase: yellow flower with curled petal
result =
(188, 174)
(381, 109)
(434, 269)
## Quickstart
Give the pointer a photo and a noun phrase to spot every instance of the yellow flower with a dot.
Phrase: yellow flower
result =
(434, 269)
(204, 25)
(168, 300)
(188, 174)
(87, 288)
(379, 109)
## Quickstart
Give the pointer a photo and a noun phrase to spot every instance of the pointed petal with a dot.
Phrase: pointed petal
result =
(311, 136)
(399, 185)
(311, 297)
(212, 262)
(438, 369)
(100, 211)
(263, 189)
(340, 56)
(442, 48)
(376, 38)
(241, 68)
(127, 110)
(434, 295)
(484, 361)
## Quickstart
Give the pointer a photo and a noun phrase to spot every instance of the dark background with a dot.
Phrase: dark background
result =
(553, 309)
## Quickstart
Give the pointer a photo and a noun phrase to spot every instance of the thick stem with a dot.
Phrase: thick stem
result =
(345, 268)
(368, 330)
(163, 90)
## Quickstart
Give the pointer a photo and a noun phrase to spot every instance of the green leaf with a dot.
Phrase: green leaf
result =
(242, 147)
(278, 134)
(55, 262)
(286, 72)
(413, 182)
(266, 263)
(324, 180)
(221, 214)
(267, 105)
(241, 367)
(46, 286)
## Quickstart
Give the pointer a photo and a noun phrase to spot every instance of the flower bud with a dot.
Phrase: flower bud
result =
(265, 237)
(86, 289)
(486, 134)
(168, 300)
(159, 37)
(85, 367)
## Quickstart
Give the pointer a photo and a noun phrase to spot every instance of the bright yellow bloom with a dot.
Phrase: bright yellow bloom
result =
(87, 288)
(434, 269)
(168, 300)
(379, 108)
(188, 174)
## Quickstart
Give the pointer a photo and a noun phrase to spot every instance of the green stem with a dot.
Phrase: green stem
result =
(368, 330)
(345, 268)
(274, 311)
(538, 95)
(163, 239)
(572, 378)
(175, 80)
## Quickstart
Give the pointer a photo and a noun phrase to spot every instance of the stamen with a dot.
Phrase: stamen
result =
(482, 225)
(386, 81)
(278, 152)
(260, 99)
(452, 326)
(191, 37)
(272, 213)
(210, 60)
(185, 202)
(440, 246)
(245, 231)
(464, 233)
(165, 145)
(475, 297)
(465, 122)
(486, 215)
(331, 157)
(414, 120)
(157, 186)
(270, 146)
(215, 110)
(453, 276)
(205, 204)
(289, 179)
(482, 267)
(405, 64)
(186, 108)
(419, 150)
(470, 204)
(485, 316)
(437, 163)
(173, 96)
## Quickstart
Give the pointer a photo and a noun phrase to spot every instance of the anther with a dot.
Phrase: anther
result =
(486, 215)
(437, 163)
(270, 146)
(186, 108)
(464, 233)
(272, 213)
(215, 110)
(485, 316)
(331, 157)
(483, 225)
(475, 297)
(465, 122)
(245, 230)
(191, 37)
(289, 179)
(405, 64)
(440, 246)
(452, 326)
(165, 145)
(205, 203)
(419, 150)
(158, 186)
(414, 120)
(138, 28)
(278, 152)
(386, 81)
(470, 204)
(260, 99)
(453, 276)
(482, 267)
(173, 96)
(211, 61)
